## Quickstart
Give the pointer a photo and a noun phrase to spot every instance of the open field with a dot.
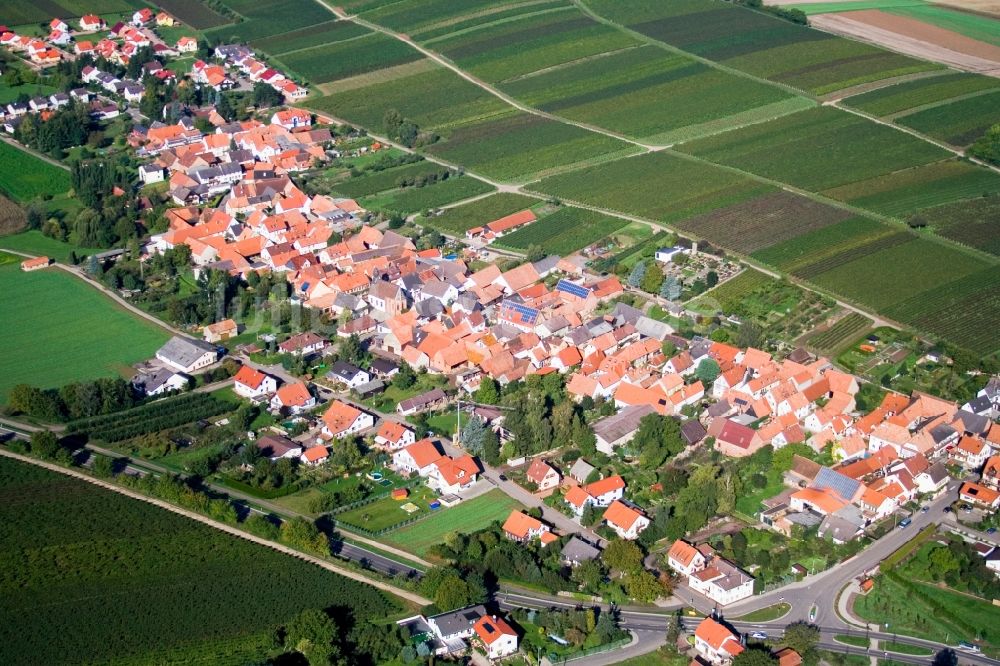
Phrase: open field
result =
(458, 220)
(349, 58)
(480, 17)
(24, 177)
(265, 18)
(763, 221)
(429, 95)
(194, 12)
(416, 199)
(975, 223)
(817, 149)
(913, 94)
(909, 190)
(33, 242)
(563, 232)
(758, 44)
(659, 186)
(310, 37)
(847, 329)
(729, 294)
(531, 43)
(652, 95)
(826, 245)
(959, 123)
(468, 516)
(18, 12)
(515, 147)
(60, 330)
(137, 584)
(415, 16)
(974, 25)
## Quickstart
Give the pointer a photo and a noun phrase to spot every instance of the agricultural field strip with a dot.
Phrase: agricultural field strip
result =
(940, 102)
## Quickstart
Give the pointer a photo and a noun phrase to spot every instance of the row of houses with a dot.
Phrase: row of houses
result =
(241, 59)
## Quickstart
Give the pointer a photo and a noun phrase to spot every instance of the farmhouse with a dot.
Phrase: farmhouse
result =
(187, 355)
(221, 330)
(29, 265)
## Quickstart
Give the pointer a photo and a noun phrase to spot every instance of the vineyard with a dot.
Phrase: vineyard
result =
(564, 232)
(127, 582)
(458, 220)
(911, 94)
(817, 149)
(846, 330)
(429, 33)
(195, 13)
(151, 417)
(18, 12)
(387, 179)
(411, 200)
(764, 221)
(265, 18)
(350, 58)
(519, 145)
(411, 16)
(975, 223)
(659, 186)
(728, 295)
(959, 123)
(794, 254)
(314, 35)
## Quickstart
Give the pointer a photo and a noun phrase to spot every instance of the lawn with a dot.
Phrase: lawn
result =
(386, 513)
(766, 614)
(128, 582)
(24, 177)
(34, 242)
(60, 330)
(468, 516)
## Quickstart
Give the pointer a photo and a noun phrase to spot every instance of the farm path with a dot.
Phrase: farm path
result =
(32, 151)
(444, 62)
(222, 527)
(940, 144)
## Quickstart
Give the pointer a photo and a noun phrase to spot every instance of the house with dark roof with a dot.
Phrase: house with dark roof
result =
(619, 429)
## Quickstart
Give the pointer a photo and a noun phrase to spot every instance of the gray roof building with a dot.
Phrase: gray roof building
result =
(456, 624)
(577, 551)
(186, 354)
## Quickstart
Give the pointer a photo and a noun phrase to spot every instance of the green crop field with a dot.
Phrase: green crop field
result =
(909, 190)
(19, 12)
(33, 242)
(975, 223)
(963, 311)
(564, 232)
(767, 220)
(469, 516)
(817, 149)
(758, 44)
(193, 12)
(659, 186)
(433, 97)
(60, 330)
(530, 43)
(416, 199)
(731, 293)
(649, 94)
(24, 177)
(830, 245)
(497, 13)
(411, 16)
(834, 339)
(388, 179)
(127, 582)
(959, 123)
(265, 18)
(912, 94)
(518, 146)
(349, 58)
(313, 36)
(458, 220)
(884, 278)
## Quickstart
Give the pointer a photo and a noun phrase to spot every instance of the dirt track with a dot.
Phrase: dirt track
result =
(914, 38)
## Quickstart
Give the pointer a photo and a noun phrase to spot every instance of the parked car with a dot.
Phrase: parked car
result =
(924, 509)
(759, 635)
(965, 646)
(503, 477)
(904, 522)
(991, 530)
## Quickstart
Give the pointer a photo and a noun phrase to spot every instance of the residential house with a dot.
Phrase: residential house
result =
(722, 582)
(393, 436)
(521, 527)
(734, 439)
(350, 375)
(496, 636)
(221, 330)
(424, 401)
(342, 419)
(35, 264)
(619, 429)
(979, 495)
(543, 475)
(605, 491)
(294, 397)
(715, 643)
(303, 344)
(576, 551)
(625, 520)
(453, 475)
(160, 382)
(685, 558)
(315, 455)
(581, 470)
(419, 458)
(252, 383)
(276, 447)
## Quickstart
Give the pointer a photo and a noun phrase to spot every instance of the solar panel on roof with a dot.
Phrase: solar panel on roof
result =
(571, 288)
(844, 486)
(528, 314)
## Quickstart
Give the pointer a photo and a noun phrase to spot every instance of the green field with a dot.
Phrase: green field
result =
(416, 199)
(329, 62)
(975, 223)
(18, 12)
(34, 242)
(194, 12)
(564, 232)
(758, 44)
(24, 177)
(826, 246)
(415, 16)
(386, 513)
(468, 516)
(60, 330)
(458, 220)
(652, 95)
(833, 340)
(817, 149)
(959, 123)
(479, 18)
(659, 186)
(129, 583)
(522, 145)
(731, 292)
(265, 18)
(912, 94)
(374, 182)
(903, 192)
(310, 37)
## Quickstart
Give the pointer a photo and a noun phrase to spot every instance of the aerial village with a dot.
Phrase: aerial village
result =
(236, 205)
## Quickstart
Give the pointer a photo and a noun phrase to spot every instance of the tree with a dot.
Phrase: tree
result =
(473, 436)
(44, 443)
(711, 279)
(311, 633)
(987, 147)
(491, 448)
(535, 253)
(803, 638)
(755, 656)
(671, 288)
(708, 371)
(637, 274)
(623, 555)
(405, 378)
(643, 586)
(488, 391)
(750, 334)
(264, 96)
(652, 279)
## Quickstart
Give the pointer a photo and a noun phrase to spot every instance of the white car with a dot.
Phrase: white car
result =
(759, 635)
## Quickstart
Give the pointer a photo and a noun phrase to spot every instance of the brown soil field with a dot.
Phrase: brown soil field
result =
(988, 7)
(915, 38)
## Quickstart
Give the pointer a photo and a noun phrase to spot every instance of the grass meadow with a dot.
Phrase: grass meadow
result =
(24, 177)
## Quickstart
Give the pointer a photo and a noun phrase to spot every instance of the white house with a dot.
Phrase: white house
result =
(393, 436)
(543, 475)
(667, 254)
(626, 521)
(722, 582)
(187, 355)
(716, 644)
(684, 558)
(252, 383)
(607, 490)
(151, 173)
(497, 637)
(342, 419)
(295, 397)
(419, 457)
(453, 475)
(350, 375)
